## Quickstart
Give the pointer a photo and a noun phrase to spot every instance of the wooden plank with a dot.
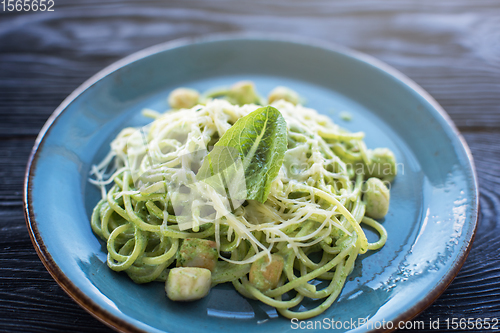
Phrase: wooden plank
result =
(13, 158)
(446, 47)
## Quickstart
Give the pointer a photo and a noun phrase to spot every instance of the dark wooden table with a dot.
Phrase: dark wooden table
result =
(450, 47)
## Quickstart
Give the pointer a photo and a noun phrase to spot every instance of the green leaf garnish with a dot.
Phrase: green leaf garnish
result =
(259, 140)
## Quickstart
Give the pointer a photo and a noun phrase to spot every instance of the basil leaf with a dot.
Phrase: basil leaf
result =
(259, 142)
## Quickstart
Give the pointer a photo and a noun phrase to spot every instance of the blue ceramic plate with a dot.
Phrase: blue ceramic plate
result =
(434, 204)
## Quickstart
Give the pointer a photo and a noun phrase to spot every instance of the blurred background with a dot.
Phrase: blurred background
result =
(449, 47)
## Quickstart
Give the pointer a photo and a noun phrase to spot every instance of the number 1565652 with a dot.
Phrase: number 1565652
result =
(27, 5)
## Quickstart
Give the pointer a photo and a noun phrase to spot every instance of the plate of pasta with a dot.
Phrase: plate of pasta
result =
(253, 183)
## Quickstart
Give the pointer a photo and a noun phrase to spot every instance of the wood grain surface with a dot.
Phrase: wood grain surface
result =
(450, 47)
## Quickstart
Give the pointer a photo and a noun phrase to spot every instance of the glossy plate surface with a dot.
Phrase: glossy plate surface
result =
(431, 222)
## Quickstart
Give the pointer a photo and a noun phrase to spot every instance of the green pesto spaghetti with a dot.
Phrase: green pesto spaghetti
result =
(221, 189)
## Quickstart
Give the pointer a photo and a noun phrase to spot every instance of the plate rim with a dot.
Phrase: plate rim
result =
(123, 325)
